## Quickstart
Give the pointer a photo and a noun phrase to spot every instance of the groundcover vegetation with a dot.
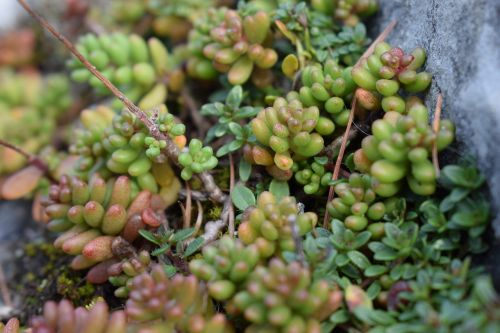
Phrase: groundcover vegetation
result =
(214, 166)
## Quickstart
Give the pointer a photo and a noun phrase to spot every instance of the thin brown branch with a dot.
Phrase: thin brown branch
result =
(32, 159)
(383, 35)
(4, 289)
(189, 207)
(231, 186)
(171, 150)
(435, 127)
(199, 121)
(199, 218)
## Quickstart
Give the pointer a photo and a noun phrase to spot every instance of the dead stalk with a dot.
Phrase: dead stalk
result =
(435, 127)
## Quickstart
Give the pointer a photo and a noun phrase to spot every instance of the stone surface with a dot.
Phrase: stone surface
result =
(463, 44)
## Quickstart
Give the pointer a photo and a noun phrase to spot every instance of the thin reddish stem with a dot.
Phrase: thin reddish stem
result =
(340, 157)
(435, 127)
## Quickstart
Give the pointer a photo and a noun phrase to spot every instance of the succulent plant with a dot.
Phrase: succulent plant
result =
(91, 215)
(387, 71)
(135, 66)
(313, 175)
(228, 114)
(460, 218)
(292, 131)
(63, 317)
(399, 147)
(238, 46)
(174, 19)
(321, 37)
(349, 12)
(357, 205)
(196, 159)
(176, 304)
(328, 86)
(29, 107)
(270, 225)
(284, 298)
(120, 144)
(122, 273)
(225, 267)
(198, 66)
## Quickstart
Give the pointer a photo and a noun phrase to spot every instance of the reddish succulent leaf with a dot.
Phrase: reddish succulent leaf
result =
(21, 183)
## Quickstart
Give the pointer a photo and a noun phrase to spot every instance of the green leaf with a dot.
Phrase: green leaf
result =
(169, 270)
(183, 234)
(236, 129)
(235, 145)
(245, 170)
(341, 260)
(246, 112)
(242, 197)
(358, 259)
(386, 254)
(361, 239)
(462, 176)
(224, 150)
(149, 236)
(373, 290)
(214, 109)
(456, 195)
(161, 250)
(233, 99)
(375, 270)
(340, 316)
(194, 246)
(279, 188)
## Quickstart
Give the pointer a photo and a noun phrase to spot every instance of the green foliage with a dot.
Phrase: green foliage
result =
(392, 254)
(400, 147)
(196, 159)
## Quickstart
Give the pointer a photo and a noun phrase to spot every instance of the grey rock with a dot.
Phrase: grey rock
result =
(463, 44)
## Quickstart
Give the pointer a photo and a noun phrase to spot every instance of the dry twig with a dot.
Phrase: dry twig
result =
(231, 186)
(32, 159)
(345, 137)
(4, 289)
(435, 127)
(189, 207)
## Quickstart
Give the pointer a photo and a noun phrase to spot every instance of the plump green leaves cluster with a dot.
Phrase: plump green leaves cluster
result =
(225, 267)
(196, 159)
(129, 62)
(313, 175)
(399, 148)
(274, 223)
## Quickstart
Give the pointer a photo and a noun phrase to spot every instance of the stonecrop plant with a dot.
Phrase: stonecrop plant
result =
(203, 173)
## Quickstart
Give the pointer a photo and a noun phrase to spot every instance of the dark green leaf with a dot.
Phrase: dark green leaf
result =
(246, 112)
(149, 236)
(245, 170)
(194, 246)
(358, 259)
(242, 197)
(236, 129)
(161, 250)
(224, 150)
(375, 270)
(169, 270)
(183, 234)
(279, 188)
(233, 99)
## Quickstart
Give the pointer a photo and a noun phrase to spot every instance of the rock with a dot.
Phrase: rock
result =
(463, 44)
